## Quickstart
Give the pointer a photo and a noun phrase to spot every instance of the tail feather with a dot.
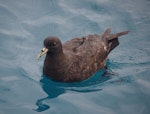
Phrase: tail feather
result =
(113, 44)
(113, 36)
(106, 35)
(112, 39)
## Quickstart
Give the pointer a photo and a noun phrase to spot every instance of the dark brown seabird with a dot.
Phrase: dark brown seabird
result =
(79, 58)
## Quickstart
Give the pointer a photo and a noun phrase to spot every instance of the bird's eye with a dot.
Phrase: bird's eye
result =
(52, 44)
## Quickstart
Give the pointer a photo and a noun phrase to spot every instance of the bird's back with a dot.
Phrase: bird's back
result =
(86, 55)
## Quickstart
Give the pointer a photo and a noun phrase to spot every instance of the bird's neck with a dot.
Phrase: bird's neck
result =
(55, 59)
(53, 65)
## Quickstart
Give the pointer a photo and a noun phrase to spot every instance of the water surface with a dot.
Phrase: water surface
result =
(24, 24)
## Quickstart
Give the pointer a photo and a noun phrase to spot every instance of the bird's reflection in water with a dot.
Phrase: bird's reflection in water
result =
(54, 89)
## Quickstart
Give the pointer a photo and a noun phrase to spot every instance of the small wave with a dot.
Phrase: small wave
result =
(23, 73)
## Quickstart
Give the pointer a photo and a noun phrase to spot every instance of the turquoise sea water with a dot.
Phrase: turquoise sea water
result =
(25, 23)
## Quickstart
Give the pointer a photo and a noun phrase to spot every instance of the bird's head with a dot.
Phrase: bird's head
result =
(52, 45)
